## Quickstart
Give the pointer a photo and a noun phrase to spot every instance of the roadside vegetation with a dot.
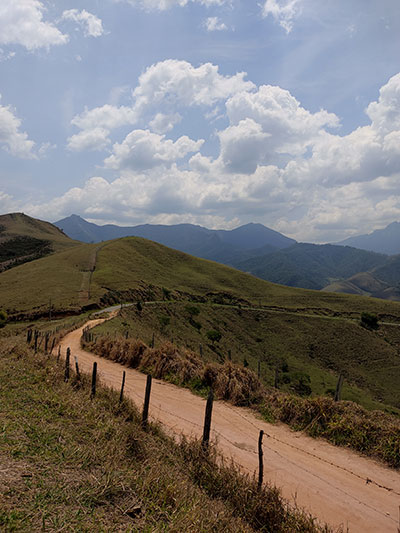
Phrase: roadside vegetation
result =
(373, 433)
(72, 464)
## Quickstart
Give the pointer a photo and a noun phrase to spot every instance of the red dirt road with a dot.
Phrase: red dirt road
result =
(334, 484)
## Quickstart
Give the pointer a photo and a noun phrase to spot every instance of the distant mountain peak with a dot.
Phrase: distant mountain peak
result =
(384, 241)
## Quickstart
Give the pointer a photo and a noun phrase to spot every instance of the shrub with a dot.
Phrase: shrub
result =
(3, 318)
(369, 321)
(213, 335)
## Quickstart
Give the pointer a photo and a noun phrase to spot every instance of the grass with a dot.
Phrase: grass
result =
(305, 349)
(373, 433)
(132, 268)
(77, 465)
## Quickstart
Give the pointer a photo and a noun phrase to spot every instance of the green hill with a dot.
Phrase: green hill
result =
(133, 268)
(24, 239)
(312, 266)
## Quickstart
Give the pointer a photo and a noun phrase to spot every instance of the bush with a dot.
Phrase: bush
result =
(213, 335)
(369, 321)
(3, 318)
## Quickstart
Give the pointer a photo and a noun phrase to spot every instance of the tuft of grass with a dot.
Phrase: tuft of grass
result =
(372, 433)
(78, 465)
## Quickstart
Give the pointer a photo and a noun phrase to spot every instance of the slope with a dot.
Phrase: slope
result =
(384, 241)
(224, 246)
(312, 266)
(24, 239)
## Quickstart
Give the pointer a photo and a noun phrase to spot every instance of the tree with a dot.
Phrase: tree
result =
(369, 321)
(214, 336)
(3, 318)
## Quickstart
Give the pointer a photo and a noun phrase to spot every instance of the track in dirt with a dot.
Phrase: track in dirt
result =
(334, 484)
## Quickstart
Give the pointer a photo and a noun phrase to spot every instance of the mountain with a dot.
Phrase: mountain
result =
(23, 239)
(224, 246)
(312, 266)
(384, 241)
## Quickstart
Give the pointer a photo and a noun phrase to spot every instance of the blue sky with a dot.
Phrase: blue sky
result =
(214, 112)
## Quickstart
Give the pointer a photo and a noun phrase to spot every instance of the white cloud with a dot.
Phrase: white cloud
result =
(162, 5)
(90, 139)
(283, 11)
(169, 85)
(162, 123)
(385, 113)
(214, 24)
(278, 162)
(92, 25)
(5, 56)
(142, 150)
(21, 22)
(11, 138)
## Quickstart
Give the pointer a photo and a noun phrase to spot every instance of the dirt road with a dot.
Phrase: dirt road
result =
(334, 484)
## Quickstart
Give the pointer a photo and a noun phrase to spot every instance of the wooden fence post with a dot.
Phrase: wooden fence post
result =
(338, 392)
(260, 460)
(78, 374)
(59, 353)
(52, 345)
(35, 341)
(207, 419)
(201, 350)
(94, 379)
(145, 414)
(121, 395)
(67, 358)
(229, 355)
(259, 369)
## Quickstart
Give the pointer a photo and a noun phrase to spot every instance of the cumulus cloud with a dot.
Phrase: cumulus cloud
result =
(92, 25)
(283, 11)
(278, 162)
(90, 139)
(142, 150)
(162, 123)
(21, 22)
(169, 85)
(12, 139)
(214, 24)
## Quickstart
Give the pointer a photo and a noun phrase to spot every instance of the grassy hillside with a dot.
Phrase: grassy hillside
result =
(24, 239)
(70, 464)
(312, 266)
(134, 268)
(309, 352)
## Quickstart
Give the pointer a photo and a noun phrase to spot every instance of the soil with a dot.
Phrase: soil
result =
(334, 484)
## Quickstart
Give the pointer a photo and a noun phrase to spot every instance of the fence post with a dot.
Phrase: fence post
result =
(276, 380)
(59, 353)
(67, 358)
(207, 419)
(229, 355)
(35, 341)
(122, 387)
(338, 392)
(52, 345)
(78, 374)
(259, 369)
(260, 460)
(201, 350)
(46, 342)
(145, 414)
(94, 378)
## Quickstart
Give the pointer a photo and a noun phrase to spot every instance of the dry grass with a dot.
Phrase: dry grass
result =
(373, 433)
(183, 367)
(75, 465)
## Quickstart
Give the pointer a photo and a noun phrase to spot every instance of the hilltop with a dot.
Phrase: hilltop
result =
(23, 239)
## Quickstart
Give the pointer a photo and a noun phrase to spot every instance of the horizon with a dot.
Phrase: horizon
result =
(215, 113)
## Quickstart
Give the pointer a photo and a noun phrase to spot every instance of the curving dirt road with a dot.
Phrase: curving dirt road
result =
(334, 484)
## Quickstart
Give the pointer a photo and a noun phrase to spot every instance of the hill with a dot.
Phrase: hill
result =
(224, 246)
(24, 239)
(384, 241)
(133, 268)
(312, 266)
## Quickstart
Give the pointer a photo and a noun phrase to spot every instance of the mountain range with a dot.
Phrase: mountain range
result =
(269, 255)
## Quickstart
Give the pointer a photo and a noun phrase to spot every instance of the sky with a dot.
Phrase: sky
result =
(211, 112)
